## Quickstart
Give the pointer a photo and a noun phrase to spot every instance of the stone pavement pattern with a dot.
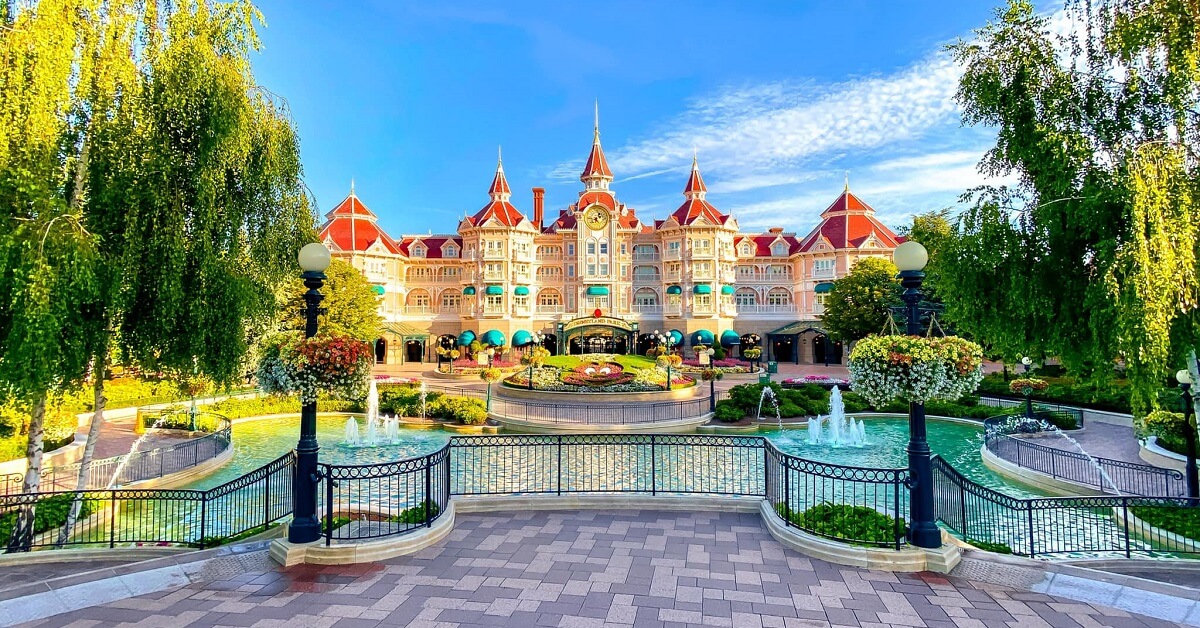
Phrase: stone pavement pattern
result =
(614, 568)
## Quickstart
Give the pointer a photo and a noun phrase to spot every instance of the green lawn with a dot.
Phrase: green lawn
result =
(635, 362)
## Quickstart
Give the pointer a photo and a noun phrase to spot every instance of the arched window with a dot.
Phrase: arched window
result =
(645, 273)
(645, 296)
(418, 299)
(746, 249)
(591, 246)
(604, 246)
(451, 300)
(779, 296)
(779, 249)
(549, 272)
(745, 296)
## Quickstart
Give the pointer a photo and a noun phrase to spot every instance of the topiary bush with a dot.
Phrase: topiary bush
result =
(466, 411)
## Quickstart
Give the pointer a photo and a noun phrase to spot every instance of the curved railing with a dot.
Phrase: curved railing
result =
(1102, 474)
(613, 413)
(138, 466)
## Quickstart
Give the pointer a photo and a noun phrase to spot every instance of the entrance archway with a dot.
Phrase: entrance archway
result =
(381, 351)
(550, 343)
(826, 351)
(783, 349)
(597, 334)
(414, 351)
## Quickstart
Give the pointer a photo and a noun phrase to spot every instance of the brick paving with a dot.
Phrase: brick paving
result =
(597, 568)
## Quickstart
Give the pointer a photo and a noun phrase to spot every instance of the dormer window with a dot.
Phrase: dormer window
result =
(779, 249)
(747, 251)
(450, 251)
(418, 251)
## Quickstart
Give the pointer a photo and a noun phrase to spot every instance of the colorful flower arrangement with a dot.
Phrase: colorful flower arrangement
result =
(674, 360)
(820, 380)
(490, 375)
(913, 368)
(711, 375)
(1027, 385)
(334, 365)
(597, 374)
(573, 380)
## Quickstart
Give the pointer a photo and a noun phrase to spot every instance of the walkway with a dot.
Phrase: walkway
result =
(1100, 440)
(595, 569)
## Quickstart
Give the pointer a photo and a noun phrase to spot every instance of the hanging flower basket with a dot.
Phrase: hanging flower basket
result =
(912, 368)
(333, 365)
(1027, 385)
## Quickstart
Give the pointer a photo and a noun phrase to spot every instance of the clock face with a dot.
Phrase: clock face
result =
(595, 217)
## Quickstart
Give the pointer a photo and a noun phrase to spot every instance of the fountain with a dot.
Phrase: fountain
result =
(112, 481)
(352, 437)
(768, 393)
(422, 400)
(837, 429)
(391, 429)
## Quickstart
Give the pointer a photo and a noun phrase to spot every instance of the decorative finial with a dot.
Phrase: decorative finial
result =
(596, 124)
(499, 158)
(695, 158)
(847, 181)
(351, 187)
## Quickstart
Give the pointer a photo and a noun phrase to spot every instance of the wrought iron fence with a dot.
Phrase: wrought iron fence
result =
(138, 466)
(1103, 474)
(372, 501)
(1052, 412)
(1076, 526)
(185, 517)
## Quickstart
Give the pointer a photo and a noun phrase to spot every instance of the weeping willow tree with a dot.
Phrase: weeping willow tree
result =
(167, 180)
(1092, 255)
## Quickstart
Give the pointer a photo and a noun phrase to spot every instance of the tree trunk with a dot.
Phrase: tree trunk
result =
(99, 371)
(22, 533)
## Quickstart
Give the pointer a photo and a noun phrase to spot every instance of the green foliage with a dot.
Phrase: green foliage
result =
(718, 353)
(1112, 396)
(51, 513)
(988, 546)
(806, 400)
(1092, 255)
(261, 406)
(404, 400)
(727, 411)
(351, 307)
(417, 514)
(860, 303)
(857, 525)
(214, 541)
(462, 409)
(1181, 520)
(934, 231)
(1167, 426)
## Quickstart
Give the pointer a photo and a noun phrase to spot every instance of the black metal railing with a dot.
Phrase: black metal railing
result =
(184, 517)
(601, 413)
(1102, 474)
(378, 500)
(1054, 413)
(1079, 526)
(138, 466)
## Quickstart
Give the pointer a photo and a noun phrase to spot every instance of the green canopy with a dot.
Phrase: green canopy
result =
(522, 337)
(597, 291)
(702, 337)
(674, 290)
(493, 337)
(702, 289)
(824, 287)
(466, 338)
(521, 291)
(377, 290)
(676, 337)
(730, 337)
(493, 290)
(469, 291)
(726, 289)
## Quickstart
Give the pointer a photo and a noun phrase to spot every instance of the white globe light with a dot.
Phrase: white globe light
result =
(1183, 377)
(910, 256)
(1026, 360)
(314, 257)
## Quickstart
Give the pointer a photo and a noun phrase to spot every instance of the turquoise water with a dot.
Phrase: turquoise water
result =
(258, 442)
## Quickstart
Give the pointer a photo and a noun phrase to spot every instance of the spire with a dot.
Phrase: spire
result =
(351, 186)
(595, 172)
(695, 188)
(847, 182)
(499, 190)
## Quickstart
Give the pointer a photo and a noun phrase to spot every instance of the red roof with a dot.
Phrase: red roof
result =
(433, 244)
(763, 241)
(349, 220)
(695, 207)
(566, 220)
(499, 182)
(597, 165)
(695, 184)
(848, 223)
(499, 208)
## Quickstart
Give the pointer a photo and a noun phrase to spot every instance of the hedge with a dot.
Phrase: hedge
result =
(857, 525)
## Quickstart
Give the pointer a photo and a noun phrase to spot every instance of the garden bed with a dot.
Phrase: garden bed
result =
(597, 373)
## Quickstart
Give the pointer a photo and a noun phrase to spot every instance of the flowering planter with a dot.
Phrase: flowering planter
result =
(333, 364)
(914, 369)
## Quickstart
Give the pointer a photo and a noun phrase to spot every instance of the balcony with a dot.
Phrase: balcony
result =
(824, 273)
(647, 279)
(641, 308)
(550, 309)
(492, 254)
(550, 257)
(646, 257)
(766, 309)
(493, 310)
(418, 310)
(672, 276)
(702, 275)
(496, 276)
(672, 254)
(673, 310)
(818, 308)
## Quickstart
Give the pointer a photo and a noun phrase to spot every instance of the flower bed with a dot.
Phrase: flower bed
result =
(728, 365)
(819, 380)
(615, 381)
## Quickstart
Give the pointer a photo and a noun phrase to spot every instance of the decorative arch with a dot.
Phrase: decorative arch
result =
(418, 297)
(745, 296)
(549, 297)
(779, 296)
(646, 296)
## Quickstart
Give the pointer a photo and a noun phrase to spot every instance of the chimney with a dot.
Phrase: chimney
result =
(539, 195)
(776, 230)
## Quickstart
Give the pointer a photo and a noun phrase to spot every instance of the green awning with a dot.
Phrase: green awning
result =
(676, 337)
(674, 290)
(522, 337)
(377, 290)
(702, 289)
(726, 289)
(521, 291)
(493, 337)
(493, 290)
(798, 327)
(597, 291)
(466, 338)
(469, 291)
(824, 287)
(702, 337)
(404, 331)
(730, 337)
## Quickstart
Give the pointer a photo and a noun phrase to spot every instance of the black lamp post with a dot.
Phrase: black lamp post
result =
(534, 342)
(911, 258)
(305, 526)
(1189, 432)
(1027, 391)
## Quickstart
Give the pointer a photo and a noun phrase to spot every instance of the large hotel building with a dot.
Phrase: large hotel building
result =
(598, 278)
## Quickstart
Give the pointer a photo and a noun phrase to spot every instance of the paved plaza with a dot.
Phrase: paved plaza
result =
(593, 568)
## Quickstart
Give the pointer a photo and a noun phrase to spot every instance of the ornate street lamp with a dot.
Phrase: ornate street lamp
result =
(305, 527)
(910, 259)
(1026, 390)
(534, 343)
(1189, 432)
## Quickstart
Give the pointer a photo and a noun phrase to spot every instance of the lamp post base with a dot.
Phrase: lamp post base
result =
(304, 530)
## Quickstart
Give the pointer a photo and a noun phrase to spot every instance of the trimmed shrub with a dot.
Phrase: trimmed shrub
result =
(51, 512)
(728, 412)
(988, 546)
(1181, 520)
(417, 514)
(466, 411)
(857, 525)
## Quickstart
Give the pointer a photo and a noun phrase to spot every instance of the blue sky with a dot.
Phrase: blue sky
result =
(780, 99)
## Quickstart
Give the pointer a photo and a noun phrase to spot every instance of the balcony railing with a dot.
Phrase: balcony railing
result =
(550, 309)
(676, 276)
(550, 257)
(671, 254)
(823, 274)
(418, 310)
(766, 309)
(494, 309)
(646, 257)
(493, 276)
(647, 279)
(672, 310)
(494, 254)
(641, 308)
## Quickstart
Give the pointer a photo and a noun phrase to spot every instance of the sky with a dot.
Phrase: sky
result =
(780, 101)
